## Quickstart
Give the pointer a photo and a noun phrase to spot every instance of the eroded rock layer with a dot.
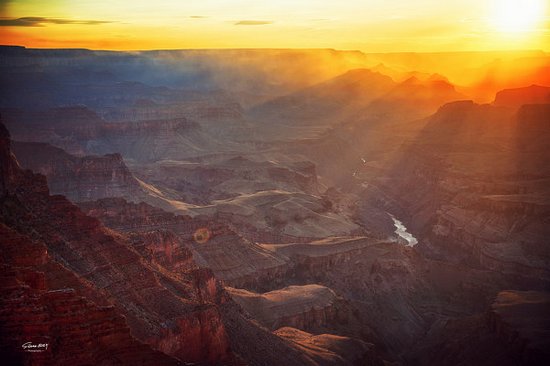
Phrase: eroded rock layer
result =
(176, 315)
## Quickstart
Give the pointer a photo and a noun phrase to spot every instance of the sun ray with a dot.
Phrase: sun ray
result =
(513, 16)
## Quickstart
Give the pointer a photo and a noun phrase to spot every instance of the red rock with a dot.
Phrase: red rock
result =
(160, 310)
(76, 330)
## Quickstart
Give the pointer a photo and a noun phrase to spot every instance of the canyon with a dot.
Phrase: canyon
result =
(173, 207)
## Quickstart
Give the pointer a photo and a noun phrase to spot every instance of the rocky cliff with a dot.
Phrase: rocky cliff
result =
(239, 263)
(328, 348)
(176, 315)
(521, 320)
(303, 307)
(517, 97)
(477, 186)
(212, 241)
(513, 330)
(79, 178)
(138, 140)
(206, 179)
(74, 330)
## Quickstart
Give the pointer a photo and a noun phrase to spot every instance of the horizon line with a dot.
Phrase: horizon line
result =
(534, 50)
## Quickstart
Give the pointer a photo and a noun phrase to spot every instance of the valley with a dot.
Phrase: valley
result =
(196, 210)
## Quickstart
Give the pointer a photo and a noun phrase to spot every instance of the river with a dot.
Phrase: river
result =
(401, 231)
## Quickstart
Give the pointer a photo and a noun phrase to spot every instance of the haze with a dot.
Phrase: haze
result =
(284, 183)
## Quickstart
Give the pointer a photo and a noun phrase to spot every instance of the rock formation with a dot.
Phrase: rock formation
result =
(232, 210)
(79, 178)
(517, 97)
(75, 330)
(230, 256)
(331, 349)
(521, 319)
(303, 307)
(102, 265)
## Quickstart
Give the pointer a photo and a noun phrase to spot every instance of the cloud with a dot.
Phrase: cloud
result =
(253, 22)
(40, 21)
(198, 16)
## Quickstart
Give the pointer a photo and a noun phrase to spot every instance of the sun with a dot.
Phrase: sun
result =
(513, 16)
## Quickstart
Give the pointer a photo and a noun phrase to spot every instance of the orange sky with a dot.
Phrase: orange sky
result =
(371, 26)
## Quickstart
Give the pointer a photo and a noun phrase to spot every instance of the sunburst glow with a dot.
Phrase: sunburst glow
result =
(514, 16)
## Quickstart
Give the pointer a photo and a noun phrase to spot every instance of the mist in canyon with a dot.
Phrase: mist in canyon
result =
(274, 207)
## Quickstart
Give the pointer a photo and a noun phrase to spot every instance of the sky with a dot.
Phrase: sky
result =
(370, 26)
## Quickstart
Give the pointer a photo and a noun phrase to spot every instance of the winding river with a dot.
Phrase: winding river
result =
(401, 231)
